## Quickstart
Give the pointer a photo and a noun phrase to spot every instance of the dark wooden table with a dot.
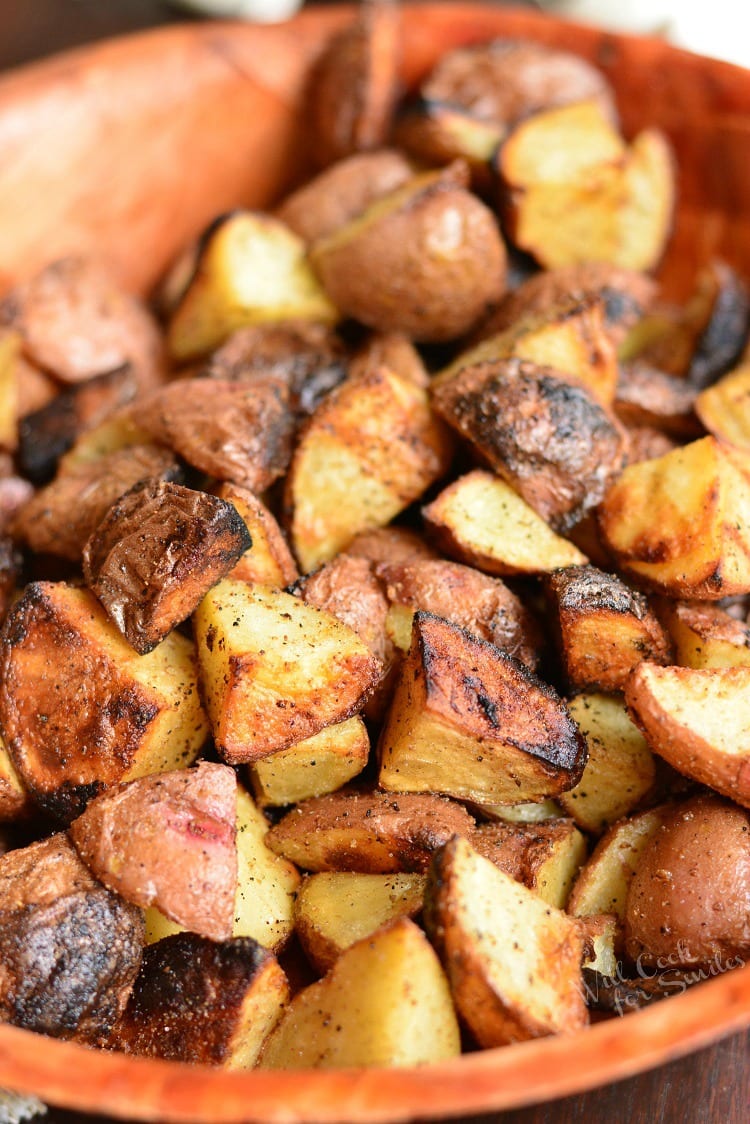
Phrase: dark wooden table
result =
(711, 1087)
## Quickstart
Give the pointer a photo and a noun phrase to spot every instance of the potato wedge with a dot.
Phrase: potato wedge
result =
(335, 910)
(81, 711)
(647, 396)
(602, 627)
(681, 523)
(603, 883)
(275, 670)
(437, 133)
(725, 323)
(371, 449)
(427, 260)
(385, 1002)
(368, 832)
(69, 949)
(197, 1001)
(116, 432)
(698, 721)
(395, 351)
(706, 636)
(14, 800)
(481, 521)
(496, 940)
(724, 408)
(250, 269)
(156, 553)
(317, 765)
(168, 841)
(470, 721)
(347, 587)
(545, 857)
(620, 769)
(268, 561)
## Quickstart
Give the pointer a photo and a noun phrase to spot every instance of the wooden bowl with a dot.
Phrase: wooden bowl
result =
(128, 148)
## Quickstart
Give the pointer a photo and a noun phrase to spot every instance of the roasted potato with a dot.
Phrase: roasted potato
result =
(395, 351)
(347, 587)
(706, 636)
(724, 407)
(603, 882)
(391, 544)
(317, 765)
(14, 800)
(545, 857)
(268, 560)
(647, 396)
(723, 311)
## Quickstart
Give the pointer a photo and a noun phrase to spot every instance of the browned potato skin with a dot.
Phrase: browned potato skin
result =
(233, 431)
(688, 900)
(156, 554)
(60, 518)
(47, 433)
(391, 544)
(396, 352)
(543, 432)
(342, 192)
(168, 840)
(353, 88)
(413, 267)
(603, 628)
(477, 602)
(625, 295)
(347, 587)
(647, 396)
(725, 332)
(308, 357)
(370, 832)
(269, 560)
(519, 848)
(69, 949)
(646, 444)
(76, 323)
(506, 80)
(186, 1003)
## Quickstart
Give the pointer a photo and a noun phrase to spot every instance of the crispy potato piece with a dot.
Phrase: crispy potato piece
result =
(391, 544)
(602, 885)
(233, 431)
(395, 351)
(513, 961)
(69, 949)
(354, 85)
(625, 296)
(275, 670)
(681, 523)
(370, 449)
(602, 627)
(620, 770)
(61, 517)
(81, 711)
(436, 132)
(385, 1002)
(335, 910)
(480, 520)
(427, 260)
(546, 435)
(698, 721)
(268, 560)
(45, 434)
(725, 326)
(343, 191)
(570, 338)
(482, 605)
(688, 899)
(76, 322)
(250, 269)
(156, 553)
(646, 444)
(470, 721)
(368, 832)
(347, 587)
(706, 636)
(168, 840)
(14, 800)
(116, 432)
(313, 767)
(647, 396)
(308, 357)
(724, 408)
(545, 857)
(196, 1001)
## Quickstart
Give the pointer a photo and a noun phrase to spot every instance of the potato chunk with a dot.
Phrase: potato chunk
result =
(268, 560)
(545, 857)
(602, 885)
(368, 832)
(647, 396)
(197, 1001)
(724, 408)
(169, 841)
(370, 449)
(470, 721)
(480, 520)
(385, 1002)
(681, 523)
(706, 636)
(603, 628)
(156, 553)
(698, 721)
(69, 949)
(313, 767)
(514, 962)
(81, 710)
(14, 800)
(335, 910)
(275, 670)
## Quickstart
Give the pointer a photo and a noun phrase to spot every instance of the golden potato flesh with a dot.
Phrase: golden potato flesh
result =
(681, 523)
(688, 899)
(268, 560)
(427, 260)
(545, 857)
(14, 800)
(706, 636)
(603, 882)
(81, 710)
(313, 767)
(724, 408)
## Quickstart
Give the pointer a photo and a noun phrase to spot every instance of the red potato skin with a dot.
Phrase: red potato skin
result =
(169, 841)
